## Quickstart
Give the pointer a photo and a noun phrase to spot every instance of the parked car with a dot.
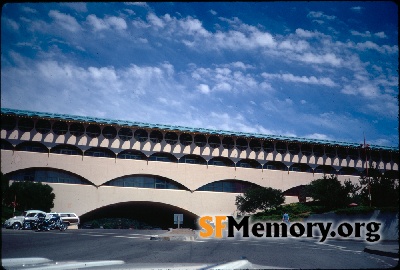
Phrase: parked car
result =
(70, 218)
(27, 217)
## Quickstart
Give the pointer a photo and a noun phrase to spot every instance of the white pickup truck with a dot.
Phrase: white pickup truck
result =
(18, 222)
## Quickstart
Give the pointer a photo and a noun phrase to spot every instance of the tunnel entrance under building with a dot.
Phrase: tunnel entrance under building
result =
(141, 215)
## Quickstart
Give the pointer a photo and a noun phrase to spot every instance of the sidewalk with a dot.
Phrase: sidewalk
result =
(176, 234)
(388, 249)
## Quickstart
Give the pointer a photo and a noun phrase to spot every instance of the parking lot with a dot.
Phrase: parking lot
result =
(134, 247)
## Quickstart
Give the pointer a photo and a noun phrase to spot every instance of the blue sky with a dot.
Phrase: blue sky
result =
(322, 70)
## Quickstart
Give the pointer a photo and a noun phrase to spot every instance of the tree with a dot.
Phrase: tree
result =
(260, 198)
(330, 192)
(30, 195)
(384, 190)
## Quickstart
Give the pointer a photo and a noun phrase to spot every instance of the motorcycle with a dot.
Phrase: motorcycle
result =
(51, 222)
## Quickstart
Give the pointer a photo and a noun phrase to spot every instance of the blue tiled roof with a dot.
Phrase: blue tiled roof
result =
(69, 117)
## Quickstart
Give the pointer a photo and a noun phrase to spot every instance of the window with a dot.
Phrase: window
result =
(32, 147)
(165, 157)
(76, 129)
(47, 175)
(93, 131)
(281, 147)
(255, 145)
(249, 163)
(171, 138)
(145, 181)
(231, 186)
(25, 124)
(8, 122)
(221, 161)
(306, 149)
(109, 132)
(60, 128)
(125, 134)
(214, 141)
(294, 148)
(200, 140)
(241, 144)
(193, 159)
(43, 126)
(66, 150)
(185, 139)
(132, 154)
(227, 143)
(268, 146)
(100, 152)
(141, 135)
(156, 136)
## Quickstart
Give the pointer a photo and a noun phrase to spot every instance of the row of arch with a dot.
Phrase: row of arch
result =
(49, 175)
(156, 136)
(168, 157)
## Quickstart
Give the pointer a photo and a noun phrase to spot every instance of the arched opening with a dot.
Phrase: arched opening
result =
(200, 140)
(93, 131)
(171, 138)
(77, 129)
(139, 215)
(214, 141)
(342, 153)
(268, 146)
(249, 163)
(231, 186)
(221, 161)
(132, 154)
(325, 169)
(281, 147)
(185, 139)
(141, 135)
(66, 149)
(330, 151)
(163, 156)
(306, 149)
(125, 134)
(156, 136)
(294, 148)
(241, 144)
(109, 132)
(99, 152)
(193, 159)
(47, 175)
(25, 124)
(318, 150)
(145, 181)
(255, 145)
(300, 167)
(60, 128)
(8, 122)
(228, 143)
(275, 165)
(32, 147)
(6, 145)
(43, 126)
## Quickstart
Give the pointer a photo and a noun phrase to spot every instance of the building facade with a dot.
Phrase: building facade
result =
(92, 163)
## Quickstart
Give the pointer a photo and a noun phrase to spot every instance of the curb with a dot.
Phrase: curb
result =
(173, 238)
(387, 253)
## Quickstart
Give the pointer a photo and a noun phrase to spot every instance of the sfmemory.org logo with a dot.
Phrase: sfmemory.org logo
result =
(215, 226)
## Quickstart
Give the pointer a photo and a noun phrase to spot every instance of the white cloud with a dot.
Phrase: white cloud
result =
(302, 79)
(380, 35)
(213, 12)
(65, 21)
(106, 23)
(203, 88)
(320, 14)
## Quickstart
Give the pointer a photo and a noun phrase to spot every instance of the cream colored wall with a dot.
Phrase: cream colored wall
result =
(84, 198)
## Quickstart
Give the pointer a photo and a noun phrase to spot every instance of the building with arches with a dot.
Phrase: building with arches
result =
(92, 163)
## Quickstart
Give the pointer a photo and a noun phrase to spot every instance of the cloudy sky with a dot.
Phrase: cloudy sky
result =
(322, 70)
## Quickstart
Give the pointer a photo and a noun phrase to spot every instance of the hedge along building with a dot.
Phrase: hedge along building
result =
(130, 167)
